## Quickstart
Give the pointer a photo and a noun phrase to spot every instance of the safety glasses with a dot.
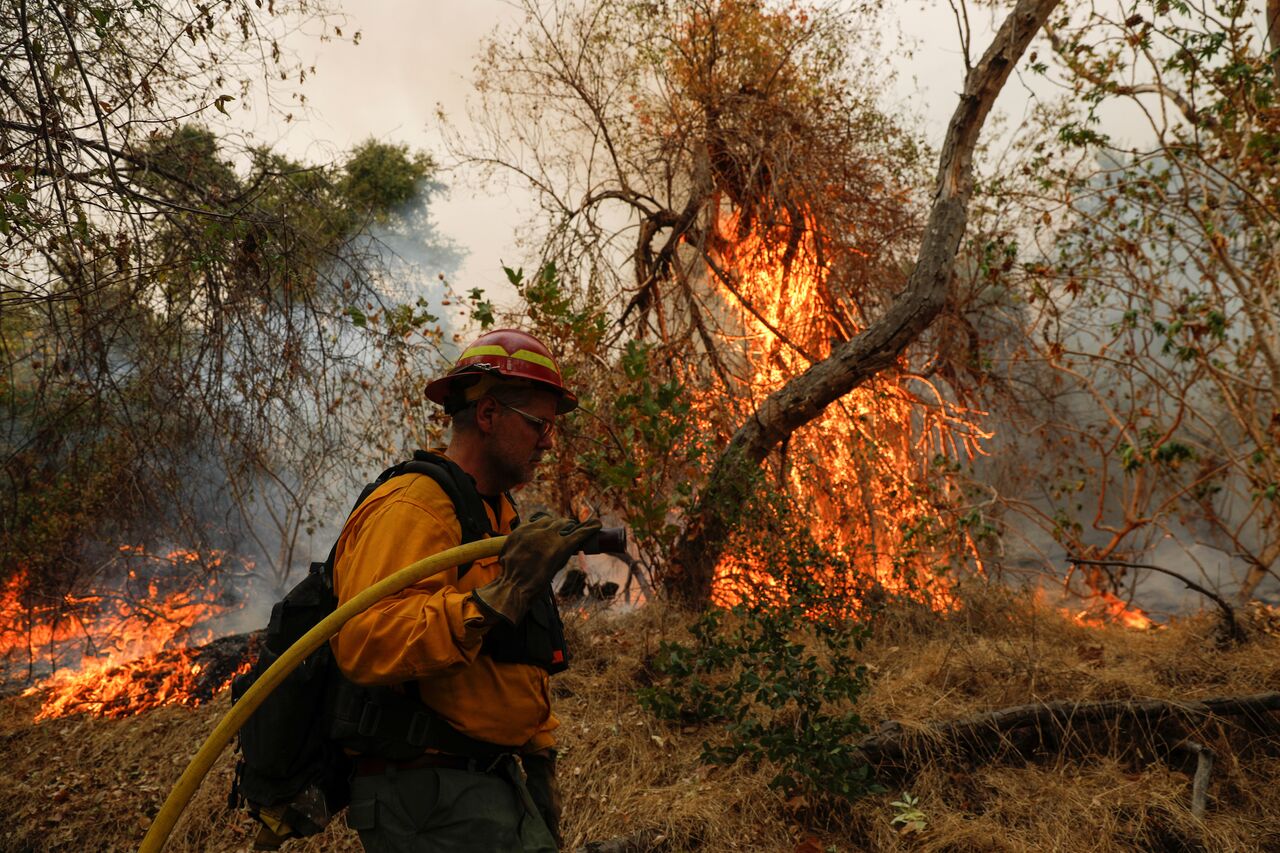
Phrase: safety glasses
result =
(544, 426)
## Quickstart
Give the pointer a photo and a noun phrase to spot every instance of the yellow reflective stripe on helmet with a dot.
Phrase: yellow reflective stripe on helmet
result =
(522, 355)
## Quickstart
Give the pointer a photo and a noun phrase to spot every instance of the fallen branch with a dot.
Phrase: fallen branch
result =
(983, 732)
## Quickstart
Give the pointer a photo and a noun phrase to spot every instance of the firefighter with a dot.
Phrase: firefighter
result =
(475, 644)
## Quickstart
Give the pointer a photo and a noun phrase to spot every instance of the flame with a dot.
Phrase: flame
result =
(121, 651)
(869, 464)
(1106, 608)
(864, 465)
(169, 677)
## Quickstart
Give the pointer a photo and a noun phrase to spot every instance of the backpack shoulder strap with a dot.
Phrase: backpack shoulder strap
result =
(458, 486)
(515, 520)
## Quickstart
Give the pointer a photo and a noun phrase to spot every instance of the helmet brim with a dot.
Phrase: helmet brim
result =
(440, 391)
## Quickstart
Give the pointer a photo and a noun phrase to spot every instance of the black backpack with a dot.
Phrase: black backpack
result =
(294, 771)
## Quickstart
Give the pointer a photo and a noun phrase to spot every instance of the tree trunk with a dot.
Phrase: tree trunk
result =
(878, 347)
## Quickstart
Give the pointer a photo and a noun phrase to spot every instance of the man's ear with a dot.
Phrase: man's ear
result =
(486, 413)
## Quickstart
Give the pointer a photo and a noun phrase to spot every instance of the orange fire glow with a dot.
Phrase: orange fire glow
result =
(169, 677)
(869, 464)
(864, 465)
(120, 652)
(1104, 608)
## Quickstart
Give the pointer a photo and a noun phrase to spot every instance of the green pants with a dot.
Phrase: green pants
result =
(441, 810)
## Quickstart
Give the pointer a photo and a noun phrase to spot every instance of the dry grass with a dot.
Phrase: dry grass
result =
(88, 784)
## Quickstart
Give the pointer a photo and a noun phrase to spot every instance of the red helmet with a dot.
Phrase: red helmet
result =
(503, 354)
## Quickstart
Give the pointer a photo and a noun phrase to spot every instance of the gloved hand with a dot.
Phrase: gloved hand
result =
(540, 779)
(534, 552)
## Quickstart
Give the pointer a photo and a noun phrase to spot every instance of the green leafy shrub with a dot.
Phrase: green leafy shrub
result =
(777, 676)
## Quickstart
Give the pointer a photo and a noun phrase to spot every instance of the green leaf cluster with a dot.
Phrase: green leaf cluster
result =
(212, 328)
(775, 680)
(645, 464)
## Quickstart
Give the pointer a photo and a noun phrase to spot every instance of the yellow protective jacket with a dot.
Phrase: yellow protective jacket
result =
(431, 632)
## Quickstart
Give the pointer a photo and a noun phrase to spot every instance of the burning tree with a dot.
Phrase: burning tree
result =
(771, 211)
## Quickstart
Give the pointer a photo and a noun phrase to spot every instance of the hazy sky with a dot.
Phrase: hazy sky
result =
(417, 54)
(413, 55)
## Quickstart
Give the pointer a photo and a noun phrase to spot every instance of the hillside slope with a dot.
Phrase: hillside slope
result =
(79, 783)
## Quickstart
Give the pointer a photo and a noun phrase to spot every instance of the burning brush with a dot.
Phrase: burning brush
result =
(866, 466)
(116, 653)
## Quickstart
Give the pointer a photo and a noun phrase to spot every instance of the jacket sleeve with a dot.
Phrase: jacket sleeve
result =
(427, 629)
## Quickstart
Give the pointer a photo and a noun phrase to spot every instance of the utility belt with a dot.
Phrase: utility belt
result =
(396, 726)
(367, 766)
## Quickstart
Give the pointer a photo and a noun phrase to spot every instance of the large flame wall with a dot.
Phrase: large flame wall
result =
(873, 467)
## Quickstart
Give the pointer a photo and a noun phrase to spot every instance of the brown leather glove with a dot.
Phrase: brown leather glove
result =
(540, 779)
(534, 552)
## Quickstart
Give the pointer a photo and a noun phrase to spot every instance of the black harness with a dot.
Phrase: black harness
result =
(392, 722)
(295, 762)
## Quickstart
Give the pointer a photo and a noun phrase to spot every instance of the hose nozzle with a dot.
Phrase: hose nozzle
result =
(606, 540)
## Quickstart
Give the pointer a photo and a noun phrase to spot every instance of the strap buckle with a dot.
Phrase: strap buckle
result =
(419, 729)
(370, 717)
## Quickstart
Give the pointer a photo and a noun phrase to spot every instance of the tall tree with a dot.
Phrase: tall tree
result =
(878, 346)
(1155, 260)
(770, 216)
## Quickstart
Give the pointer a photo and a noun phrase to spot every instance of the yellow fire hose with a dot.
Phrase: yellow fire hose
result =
(191, 778)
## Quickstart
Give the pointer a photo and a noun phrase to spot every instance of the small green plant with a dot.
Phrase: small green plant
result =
(907, 815)
(777, 678)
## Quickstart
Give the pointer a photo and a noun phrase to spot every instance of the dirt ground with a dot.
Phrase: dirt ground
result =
(80, 783)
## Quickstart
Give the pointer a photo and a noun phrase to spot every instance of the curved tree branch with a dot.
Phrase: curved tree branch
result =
(1228, 613)
(1085, 72)
(1273, 36)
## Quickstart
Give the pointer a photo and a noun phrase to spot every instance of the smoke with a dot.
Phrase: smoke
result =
(1119, 422)
(263, 483)
(382, 416)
